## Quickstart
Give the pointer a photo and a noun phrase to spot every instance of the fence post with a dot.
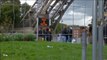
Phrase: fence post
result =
(100, 43)
(37, 29)
(94, 31)
(100, 30)
(84, 44)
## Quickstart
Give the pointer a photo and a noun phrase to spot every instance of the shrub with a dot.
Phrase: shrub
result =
(1, 37)
(4, 37)
(29, 37)
(17, 37)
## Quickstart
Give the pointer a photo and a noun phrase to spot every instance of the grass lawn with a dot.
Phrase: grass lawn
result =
(43, 51)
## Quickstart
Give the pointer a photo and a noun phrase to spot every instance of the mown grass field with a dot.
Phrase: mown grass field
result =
(43, 51)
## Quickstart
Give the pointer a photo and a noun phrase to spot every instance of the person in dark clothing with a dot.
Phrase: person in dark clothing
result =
(105, 34)
(65, 34)
(44, 34)
(70, 35)
(90, 29)
(40, 34)
(90, 34)
(48, 35)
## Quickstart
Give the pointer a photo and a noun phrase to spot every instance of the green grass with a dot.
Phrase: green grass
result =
(41, 51)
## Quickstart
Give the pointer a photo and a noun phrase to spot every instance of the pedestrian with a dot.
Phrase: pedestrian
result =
(64, 35)
(70, 35)
(40, 36)
(105, 34)
(48, 35)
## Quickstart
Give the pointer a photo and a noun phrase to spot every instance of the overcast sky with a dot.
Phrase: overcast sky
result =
(79, 13)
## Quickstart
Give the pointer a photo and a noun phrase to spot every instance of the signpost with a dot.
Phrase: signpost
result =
(43, 22)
